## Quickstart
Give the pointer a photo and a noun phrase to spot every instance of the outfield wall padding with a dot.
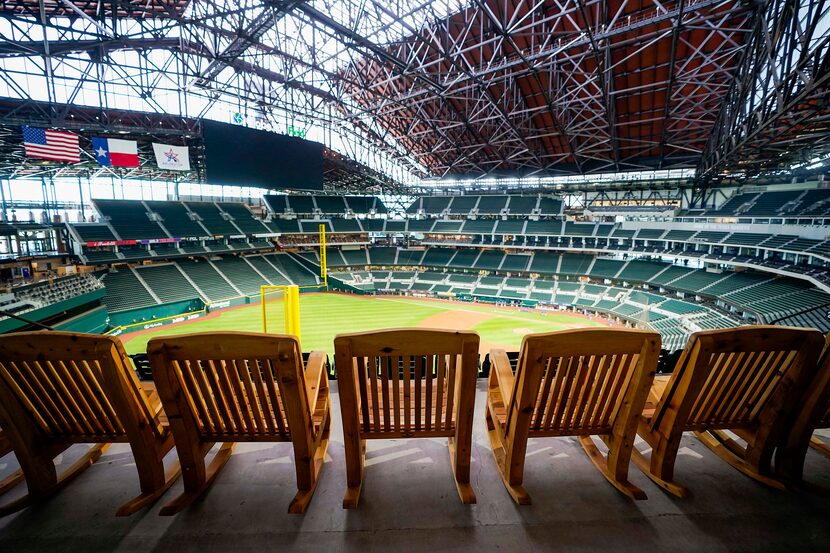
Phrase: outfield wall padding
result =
(52, 310)
(148, 317)
(95, 321)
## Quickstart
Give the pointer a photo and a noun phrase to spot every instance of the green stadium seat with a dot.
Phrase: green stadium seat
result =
(373, 225)
(382, 256)
(330, 205)
(447, 226)
(544, 228)
(579, 229)
(515, 262)
(606, 268)
(437, 257)
(345, 225)
(124, 291)
(489, 259)
(696, 280)
(268, 270)
(672, 272)
(410, 257)
(491, 281)
(130, 219)
(243, 218)
(287, 265)
(679, 235)
(284, 226)
(640, 271)
(510, 226)
(549, 205)
(167, 282)
(461, 205)
(575, 263)
(355, 258)
(491, 205)
(93, 232)
(395, 225)
(544, 263)
(522, 205)
(478, 226)
(650, 234)
(213, 220)
(464, 259)
(681, 307)
(420, 225)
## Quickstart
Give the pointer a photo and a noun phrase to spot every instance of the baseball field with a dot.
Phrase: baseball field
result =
(324, 315)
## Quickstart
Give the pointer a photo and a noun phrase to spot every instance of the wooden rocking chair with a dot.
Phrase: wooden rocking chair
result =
(812, 413)
(233, 387)
(581, 383)
(61, 388)
(745, 380)
(407, 383)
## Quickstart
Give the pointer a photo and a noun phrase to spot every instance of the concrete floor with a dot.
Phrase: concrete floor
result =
(409, 503)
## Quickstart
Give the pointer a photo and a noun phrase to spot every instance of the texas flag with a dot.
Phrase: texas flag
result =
(114, 152)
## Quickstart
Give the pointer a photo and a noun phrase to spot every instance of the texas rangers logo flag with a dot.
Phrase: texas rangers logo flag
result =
(170, 157)
(51, 144)
(113, 152)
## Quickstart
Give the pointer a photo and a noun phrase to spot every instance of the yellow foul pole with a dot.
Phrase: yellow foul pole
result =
(323, 269)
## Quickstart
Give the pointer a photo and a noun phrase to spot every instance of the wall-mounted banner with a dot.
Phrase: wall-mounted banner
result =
(114, 152)
(174, 158)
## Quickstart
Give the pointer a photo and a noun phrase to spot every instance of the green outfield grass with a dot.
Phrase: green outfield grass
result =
(325, 315)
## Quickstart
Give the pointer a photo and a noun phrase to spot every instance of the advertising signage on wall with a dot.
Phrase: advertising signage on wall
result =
(131, 242)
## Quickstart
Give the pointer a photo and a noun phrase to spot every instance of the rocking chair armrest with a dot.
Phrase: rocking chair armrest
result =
(500, 364)
(314, 371)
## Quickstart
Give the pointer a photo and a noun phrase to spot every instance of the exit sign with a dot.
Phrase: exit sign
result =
(295, 131)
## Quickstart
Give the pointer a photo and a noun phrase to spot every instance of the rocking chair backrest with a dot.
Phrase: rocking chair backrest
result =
(740, 378)
(69, 387)
(576, 382)
(232, 386)
(408, 382)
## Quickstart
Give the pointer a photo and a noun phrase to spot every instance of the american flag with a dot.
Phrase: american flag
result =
(49, 144)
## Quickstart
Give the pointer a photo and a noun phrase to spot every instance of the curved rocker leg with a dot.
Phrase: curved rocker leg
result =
(516, 491)
(301, 501)
(669, 485)
(189, 496)
(11, 481)
(93, 454)
(143, 500)
(352, 495)
(715, 442)
(820, 445)
(601, 463)
(462, 484)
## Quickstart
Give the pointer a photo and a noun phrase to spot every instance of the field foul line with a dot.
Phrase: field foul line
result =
(492, 312)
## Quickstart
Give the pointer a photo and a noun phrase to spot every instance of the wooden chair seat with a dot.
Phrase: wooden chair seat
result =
(233, 387)
(745, 381)
(407, 383)
(63, 388)
(572, 383)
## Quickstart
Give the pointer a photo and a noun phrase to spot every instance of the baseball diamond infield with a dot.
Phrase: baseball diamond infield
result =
(324, 315)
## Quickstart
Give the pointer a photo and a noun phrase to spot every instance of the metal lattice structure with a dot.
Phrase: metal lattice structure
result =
(400, 91)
